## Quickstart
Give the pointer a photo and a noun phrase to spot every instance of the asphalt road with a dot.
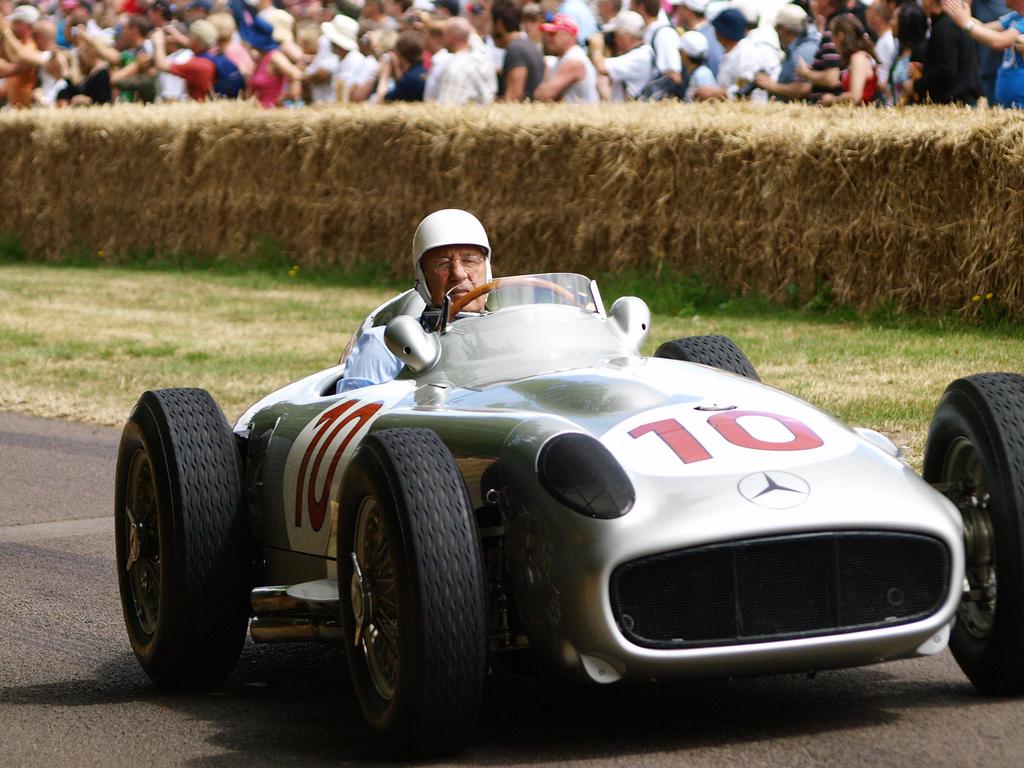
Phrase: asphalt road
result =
(72, 694)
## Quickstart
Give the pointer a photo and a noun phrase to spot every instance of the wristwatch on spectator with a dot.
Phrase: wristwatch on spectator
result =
(971, 24)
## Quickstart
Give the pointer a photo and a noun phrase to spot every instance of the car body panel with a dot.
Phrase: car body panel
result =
(712, 457)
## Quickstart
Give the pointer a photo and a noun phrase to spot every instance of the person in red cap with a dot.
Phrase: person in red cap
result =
(573, 79)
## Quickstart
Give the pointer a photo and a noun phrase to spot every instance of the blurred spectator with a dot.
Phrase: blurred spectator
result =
(405, 66)
(532, 18)
(949, 72)
(693, 47)
(198, 73)
(633, 67)
(879, 17)
(364, 80)
(333, 72)
(689, 14)
(523, 68)
(579, 11)
(89, 80)
(230, 45)
(606, 10)
(160, 13)
(439, 56)
(823, 73)
(467, 77)
(197, 9)
(171, 88)
(1000, 35)
(373, 16)
(52, 67)
(132, 55)
(573, 79)
(757, 34)
(19, 49)
(42, 58)
(858, 80)
(742, 62)
(910, 26)
(800, 39)
(446, 9)
(663, 39)
(989, 60)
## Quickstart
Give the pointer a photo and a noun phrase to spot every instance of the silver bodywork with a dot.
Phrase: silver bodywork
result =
(505, 383)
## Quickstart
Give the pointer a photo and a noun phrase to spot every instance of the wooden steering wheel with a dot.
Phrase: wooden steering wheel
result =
(459, 304)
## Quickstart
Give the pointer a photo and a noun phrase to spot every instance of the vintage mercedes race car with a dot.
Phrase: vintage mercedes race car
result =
(533, 488)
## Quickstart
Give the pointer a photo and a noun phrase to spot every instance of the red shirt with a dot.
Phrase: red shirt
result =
(199, 75)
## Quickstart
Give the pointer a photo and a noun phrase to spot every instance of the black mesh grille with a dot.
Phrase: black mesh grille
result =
(779, 588)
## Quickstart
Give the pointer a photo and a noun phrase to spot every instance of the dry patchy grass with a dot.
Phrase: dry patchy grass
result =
(84, 343)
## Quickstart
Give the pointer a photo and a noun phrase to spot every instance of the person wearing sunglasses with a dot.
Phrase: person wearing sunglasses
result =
(451, 256)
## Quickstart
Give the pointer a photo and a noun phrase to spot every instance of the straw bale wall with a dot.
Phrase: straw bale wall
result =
(920, 208)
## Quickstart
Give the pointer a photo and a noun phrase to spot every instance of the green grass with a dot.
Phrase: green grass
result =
(83, 342)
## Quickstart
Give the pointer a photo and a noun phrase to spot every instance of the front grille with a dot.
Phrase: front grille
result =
(779, 588)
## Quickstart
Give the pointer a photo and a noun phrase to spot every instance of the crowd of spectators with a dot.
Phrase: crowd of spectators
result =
(287, 53)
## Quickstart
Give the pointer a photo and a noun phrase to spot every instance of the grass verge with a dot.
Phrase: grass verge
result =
(83, 343)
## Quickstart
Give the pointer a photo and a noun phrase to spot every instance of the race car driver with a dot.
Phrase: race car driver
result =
(451, 256)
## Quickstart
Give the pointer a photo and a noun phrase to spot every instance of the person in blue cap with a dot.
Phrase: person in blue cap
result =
(741, 63)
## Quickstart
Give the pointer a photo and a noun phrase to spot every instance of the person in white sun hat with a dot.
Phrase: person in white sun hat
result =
(338, 61)
(451, 255)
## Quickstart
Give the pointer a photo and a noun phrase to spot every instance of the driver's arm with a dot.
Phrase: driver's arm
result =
(370, 362)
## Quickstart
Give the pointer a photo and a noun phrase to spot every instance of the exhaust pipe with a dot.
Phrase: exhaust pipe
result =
(280, 617)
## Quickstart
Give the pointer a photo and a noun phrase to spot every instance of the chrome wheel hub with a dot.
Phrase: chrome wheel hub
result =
(142, 562)
(374, 600)
(969, 491)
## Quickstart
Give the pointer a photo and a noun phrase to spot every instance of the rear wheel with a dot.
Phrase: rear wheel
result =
(975, 455)
(415, 611)
(716, 351)
(182, 539)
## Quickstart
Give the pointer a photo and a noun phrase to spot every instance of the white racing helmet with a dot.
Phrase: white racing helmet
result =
(451, 226)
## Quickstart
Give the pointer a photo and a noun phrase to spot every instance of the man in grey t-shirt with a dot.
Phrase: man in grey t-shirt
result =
(524, 64)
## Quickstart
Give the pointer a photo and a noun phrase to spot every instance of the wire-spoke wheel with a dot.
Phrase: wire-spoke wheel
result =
(143, 561)
(374, 600)
(975, 456)
(966, 487)
(415, 617)
(182, 539)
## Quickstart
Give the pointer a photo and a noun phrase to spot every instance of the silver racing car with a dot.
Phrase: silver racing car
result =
(531, 490)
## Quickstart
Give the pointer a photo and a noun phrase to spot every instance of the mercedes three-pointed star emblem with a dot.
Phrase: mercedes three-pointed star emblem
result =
(774, 489)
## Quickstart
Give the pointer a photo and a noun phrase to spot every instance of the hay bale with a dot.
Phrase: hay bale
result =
(918, 208)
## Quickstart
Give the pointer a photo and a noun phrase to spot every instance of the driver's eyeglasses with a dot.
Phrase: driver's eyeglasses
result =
(444, 265)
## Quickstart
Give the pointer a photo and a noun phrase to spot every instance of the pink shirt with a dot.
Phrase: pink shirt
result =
(240, 57)
(267, 87)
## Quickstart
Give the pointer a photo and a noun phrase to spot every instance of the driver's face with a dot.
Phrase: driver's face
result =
(455, 270)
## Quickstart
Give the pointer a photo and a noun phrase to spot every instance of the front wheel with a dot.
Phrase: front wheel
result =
(182, 539)
(975, 455)
(413, 604)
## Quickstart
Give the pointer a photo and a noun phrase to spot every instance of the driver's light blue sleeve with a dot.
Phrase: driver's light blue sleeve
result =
(370, 362)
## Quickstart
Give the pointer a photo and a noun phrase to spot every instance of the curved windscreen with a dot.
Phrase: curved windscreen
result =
(559, 288)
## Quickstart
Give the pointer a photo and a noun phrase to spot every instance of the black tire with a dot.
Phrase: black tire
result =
(179, 479)
(975, 451)
(403, 488)
(717, 351)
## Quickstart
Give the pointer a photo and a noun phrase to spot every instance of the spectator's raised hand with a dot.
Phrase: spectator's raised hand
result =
(958, 10)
